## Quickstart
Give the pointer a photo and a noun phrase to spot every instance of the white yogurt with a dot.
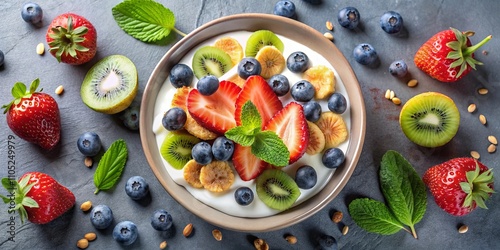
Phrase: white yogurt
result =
(225, 202)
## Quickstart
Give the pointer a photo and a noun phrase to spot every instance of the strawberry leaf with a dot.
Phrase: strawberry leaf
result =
(111, 166)
(145, 20)
(374, 216)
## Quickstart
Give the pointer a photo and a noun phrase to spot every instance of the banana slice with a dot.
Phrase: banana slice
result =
(217, 176)
(272, 61)
(316, 139)
(237, 79)
(192, 173)
(323, 80)
(334, 128)
(232, 47)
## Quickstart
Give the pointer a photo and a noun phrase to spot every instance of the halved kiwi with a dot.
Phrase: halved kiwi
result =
(209, 60)
(277, 189)
(261, 38)
(176, 149)
(430, 119)
(110, 85)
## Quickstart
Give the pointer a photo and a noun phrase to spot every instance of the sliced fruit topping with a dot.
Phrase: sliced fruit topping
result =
(323, 80)
(276, 189)
(290, 125)
(334, 128)
(262, 38)
(232, 47)
(176, 149)
(262, 96)
(209, 60)
(191, 173)
(246, 164)
(271, 60)
(317, 140)
(237, 80)
(217, 176)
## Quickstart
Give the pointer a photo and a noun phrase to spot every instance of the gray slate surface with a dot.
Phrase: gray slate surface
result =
(437, 230)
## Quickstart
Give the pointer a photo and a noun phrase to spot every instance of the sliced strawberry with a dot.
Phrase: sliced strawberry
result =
(246, 164)
(215, 112)
(290, 125)
(262, 96)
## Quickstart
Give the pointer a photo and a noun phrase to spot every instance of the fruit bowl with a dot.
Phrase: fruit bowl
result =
(290, 29)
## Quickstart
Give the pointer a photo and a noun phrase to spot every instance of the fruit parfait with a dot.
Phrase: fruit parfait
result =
(252, 123)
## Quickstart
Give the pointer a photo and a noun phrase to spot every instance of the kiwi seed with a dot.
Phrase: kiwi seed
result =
(176, 149)
(209, 60)
(261, 38)
(277, 189)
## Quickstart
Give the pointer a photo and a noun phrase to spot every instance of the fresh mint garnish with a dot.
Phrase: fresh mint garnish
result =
(146, 20)
(266, 145)
(111, 166)
(404, 192)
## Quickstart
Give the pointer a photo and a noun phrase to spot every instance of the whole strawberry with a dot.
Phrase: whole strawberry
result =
(72, 39)
(448, 55)
(459, 185)
(34, 116)
(38, 197)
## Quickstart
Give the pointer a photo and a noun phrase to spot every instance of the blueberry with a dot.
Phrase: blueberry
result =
(181, 75)
(101, 216)
(202, 153)
(306, 177)
(249, 66)
(333, 158)
(312, 110)
(391, 22)
(136, 187)
(207, 85)
(2, 58)
(327, 242)
(280, 84)
(284, 8)
(89, 144)
(349, 17)
(297, 62)
(222, 148)
(365, 54)
(32, 13)
(337, 103)
(398, 68)
(125, 233)
(243, 196)
(161, 220)
(174, 119)
(130, 117)
(302, 91)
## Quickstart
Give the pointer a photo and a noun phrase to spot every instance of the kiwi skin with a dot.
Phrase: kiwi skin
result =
(113, 101)
(261, 38)
(442, 114)
(176, 149)
(272, 180)
(206, 57)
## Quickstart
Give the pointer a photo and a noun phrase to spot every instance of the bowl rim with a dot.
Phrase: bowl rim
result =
(292, 29)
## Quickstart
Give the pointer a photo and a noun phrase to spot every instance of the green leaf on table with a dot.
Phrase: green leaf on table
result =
(110, 166)
(146, 20)
(374, 216)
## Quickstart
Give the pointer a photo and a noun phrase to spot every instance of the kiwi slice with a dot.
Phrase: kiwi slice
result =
(277, 189)
(261, 38)
(176, 149)
(110, 85)
(209, 60)
(430, 119)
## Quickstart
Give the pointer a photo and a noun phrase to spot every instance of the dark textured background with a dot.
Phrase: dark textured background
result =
(437, 230)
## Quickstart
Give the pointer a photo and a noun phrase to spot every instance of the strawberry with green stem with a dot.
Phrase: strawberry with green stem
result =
(448, 55)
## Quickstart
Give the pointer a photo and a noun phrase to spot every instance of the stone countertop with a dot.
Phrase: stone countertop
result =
(422, 19)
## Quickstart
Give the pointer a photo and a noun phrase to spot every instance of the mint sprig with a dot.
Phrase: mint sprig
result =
(110, 166)
(266, 145)
(405, 194)
(146, 20)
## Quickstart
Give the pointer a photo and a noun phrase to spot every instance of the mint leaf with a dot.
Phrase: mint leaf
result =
(250, 117)
(403, 189)
(374, 216)
(270, 148)
(110, 166)
(241, 136)
(145, 20)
